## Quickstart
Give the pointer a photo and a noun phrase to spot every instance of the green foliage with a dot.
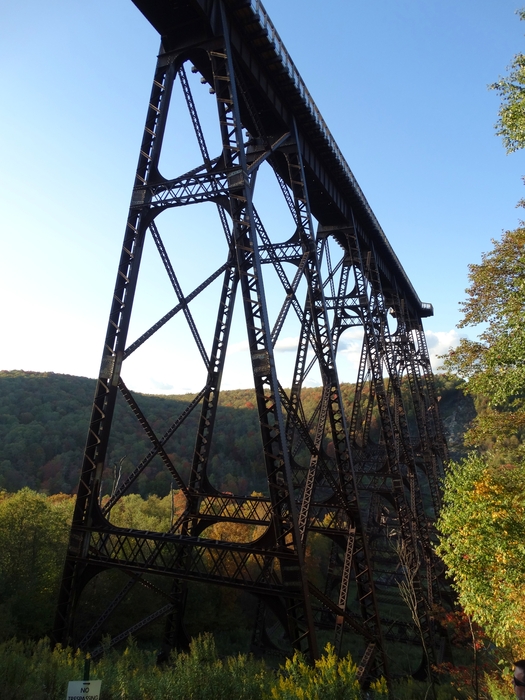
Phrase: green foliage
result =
(44, 419)
(482, 523)
(482, 527)
(34, 670)
(494, 365)
(331, 678)
(34, 532)
(234, 677)
(135, 512)
(511, 89)
(409, 689)
(500, 686)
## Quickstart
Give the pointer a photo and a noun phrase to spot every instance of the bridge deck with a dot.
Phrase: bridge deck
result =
(278, 91)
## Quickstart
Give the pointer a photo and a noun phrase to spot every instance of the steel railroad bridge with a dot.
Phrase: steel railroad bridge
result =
(359, 481)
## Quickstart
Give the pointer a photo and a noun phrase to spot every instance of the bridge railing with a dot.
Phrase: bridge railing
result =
(294, 74)
(275, 39)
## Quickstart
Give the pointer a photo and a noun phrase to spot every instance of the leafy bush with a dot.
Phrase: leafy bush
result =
(331, 678)
(32, 670)
(34, 532)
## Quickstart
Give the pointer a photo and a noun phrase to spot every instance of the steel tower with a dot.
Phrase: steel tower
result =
(362, 478)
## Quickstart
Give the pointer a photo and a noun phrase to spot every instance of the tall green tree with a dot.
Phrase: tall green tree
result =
(482, 523)
(34, 532)
(511, 88)
(494, 364)
(482, 527)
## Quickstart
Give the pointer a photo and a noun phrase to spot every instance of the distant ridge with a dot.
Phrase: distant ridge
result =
(44, 418)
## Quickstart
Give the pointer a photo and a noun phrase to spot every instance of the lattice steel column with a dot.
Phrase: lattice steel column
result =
(328, 470)
(86, 507)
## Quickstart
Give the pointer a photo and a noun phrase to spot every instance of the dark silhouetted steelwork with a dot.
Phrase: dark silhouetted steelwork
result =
(365, 477)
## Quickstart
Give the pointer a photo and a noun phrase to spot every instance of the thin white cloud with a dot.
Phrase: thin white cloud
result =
(439, 343)
(163, 387)
(287, 345)
(168, 379)
(242, 346)
(349, 354)
(282, 345)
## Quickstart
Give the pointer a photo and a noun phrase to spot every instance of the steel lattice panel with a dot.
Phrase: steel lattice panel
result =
(361, 477)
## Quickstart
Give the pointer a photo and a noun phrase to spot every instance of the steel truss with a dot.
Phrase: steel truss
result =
(365, 477)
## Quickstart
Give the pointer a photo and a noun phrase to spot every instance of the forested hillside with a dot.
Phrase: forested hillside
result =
(44, 419)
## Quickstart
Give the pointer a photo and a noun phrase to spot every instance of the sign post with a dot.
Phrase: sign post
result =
(78, 690)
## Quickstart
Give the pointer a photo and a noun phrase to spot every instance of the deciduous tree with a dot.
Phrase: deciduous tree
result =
(482, 527)
(494, 364)
(511, 122)
(33, 532)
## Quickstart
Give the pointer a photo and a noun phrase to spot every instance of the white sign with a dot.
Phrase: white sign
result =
(78, 690)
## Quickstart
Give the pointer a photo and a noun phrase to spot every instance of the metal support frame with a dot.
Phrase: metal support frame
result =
(330, 472)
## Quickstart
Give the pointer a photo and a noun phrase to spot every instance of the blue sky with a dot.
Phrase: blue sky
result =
(402, 85)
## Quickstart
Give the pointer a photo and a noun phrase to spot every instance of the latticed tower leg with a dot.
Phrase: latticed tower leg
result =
(334, 473)
(77, 571)
(388, 358)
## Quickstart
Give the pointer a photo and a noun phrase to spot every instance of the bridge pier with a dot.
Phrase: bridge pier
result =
(363, 478)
